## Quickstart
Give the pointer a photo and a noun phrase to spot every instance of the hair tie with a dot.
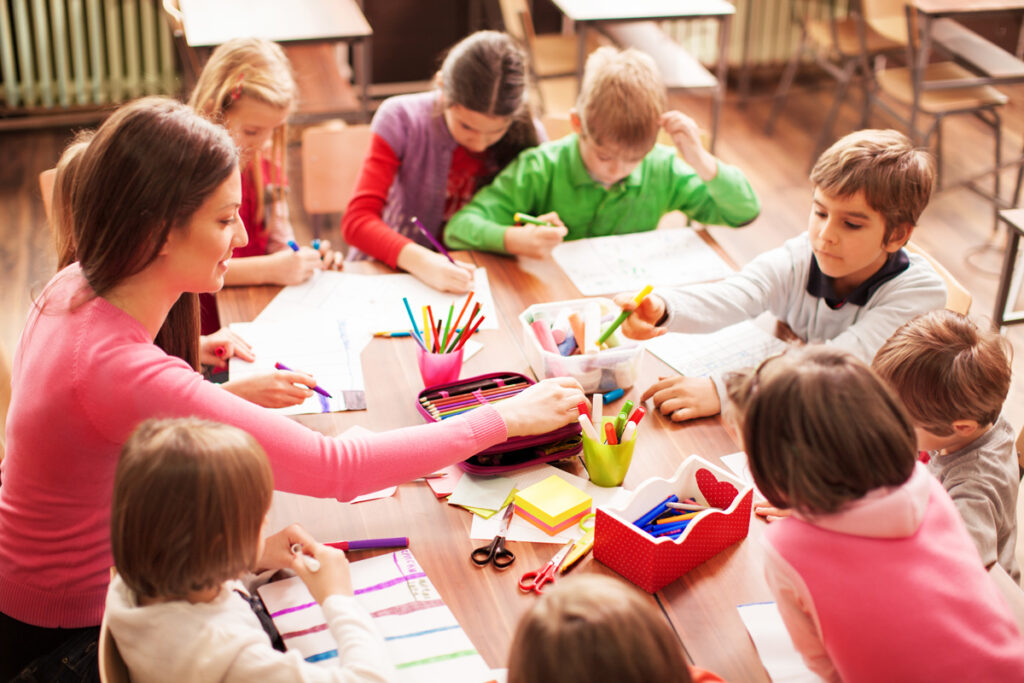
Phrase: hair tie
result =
(237, 92)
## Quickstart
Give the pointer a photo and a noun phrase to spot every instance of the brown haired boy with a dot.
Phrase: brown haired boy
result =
(609, 177)
(953, 379)
(846, 282)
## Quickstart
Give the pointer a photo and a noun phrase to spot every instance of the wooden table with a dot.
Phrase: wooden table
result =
(211, 23)
(701, 605)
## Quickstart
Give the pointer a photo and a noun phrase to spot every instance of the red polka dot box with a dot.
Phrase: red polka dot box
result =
(653, 563)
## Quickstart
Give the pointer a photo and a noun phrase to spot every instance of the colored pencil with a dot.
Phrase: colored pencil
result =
(466, 337)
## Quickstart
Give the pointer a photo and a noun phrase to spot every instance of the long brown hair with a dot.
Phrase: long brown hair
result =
(146, 171)
(61, 218)
(189, 501)
(821, 430)
(595, 628)
(486, 73)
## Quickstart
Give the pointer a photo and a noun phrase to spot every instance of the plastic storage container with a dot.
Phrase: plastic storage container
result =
(600, 371)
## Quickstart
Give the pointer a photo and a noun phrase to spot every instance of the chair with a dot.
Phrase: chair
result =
(835, 45)
(958, 299)
(332, 155)
(112, 666)
(556, 126)
(46, 181)
(191, 62)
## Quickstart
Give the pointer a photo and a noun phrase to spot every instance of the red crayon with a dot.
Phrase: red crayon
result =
(609, 432)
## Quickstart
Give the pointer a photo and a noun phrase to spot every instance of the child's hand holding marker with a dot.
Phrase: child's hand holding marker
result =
(638, 300)
(323, 569)
(329, 259)
(537, 236)
(642, 316)
(294, 265)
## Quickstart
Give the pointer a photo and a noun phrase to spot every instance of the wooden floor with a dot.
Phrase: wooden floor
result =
(955, 223)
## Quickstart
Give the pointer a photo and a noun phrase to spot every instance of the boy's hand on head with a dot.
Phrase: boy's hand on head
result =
(643, 323)
(289, 267)
(333, 577)
(278, 389)
(685, 135)
(435, 269)
(216, 348)
(277, 551)
(684, 398)
(543, 407)
(770, 512)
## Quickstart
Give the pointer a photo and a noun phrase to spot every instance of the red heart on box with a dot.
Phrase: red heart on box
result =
(719, 494)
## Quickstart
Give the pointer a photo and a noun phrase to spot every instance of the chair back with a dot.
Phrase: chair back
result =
(958, 299)
(888, 18)
(46, 181)
(556, 126)
(518, 21)
(112, 666)
(332, 156)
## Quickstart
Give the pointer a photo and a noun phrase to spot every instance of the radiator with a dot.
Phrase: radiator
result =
(67, 53)
(773, 34)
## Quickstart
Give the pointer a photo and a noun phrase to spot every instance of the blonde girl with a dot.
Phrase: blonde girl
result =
(187, 525)
(247, 86)
(874, 573)
(595, 628)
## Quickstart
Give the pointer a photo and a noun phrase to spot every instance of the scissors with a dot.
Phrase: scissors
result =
(535, 580)
(496, 552)
(582, 546)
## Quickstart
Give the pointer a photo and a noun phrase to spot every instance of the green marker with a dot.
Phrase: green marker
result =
(638, 299)
(526, 218)
(620, 419)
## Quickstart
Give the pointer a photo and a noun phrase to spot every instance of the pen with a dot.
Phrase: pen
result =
(433, 240)
(317, 389)
(527, 218)
(312, 564)
(405, 333)
(316, 244)
(369, 543)
(613, 395)
(625, 314)
(293, 245)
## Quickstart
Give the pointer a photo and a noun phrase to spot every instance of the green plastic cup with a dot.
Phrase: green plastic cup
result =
(607, 465)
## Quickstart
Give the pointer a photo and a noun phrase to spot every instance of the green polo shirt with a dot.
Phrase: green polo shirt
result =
(552, 177)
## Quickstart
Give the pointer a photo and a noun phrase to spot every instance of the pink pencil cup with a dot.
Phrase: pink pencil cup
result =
(438, 368)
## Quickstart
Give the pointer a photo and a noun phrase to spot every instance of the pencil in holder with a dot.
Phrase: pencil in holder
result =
(607, 464)
(438, 368)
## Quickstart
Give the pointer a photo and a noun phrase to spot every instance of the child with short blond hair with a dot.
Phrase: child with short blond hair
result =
(187, 524)
(875, 576)
(609, 177)
(953, 379)
(846, 282)
(595, 628)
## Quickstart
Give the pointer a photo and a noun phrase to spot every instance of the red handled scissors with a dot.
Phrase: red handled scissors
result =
(535, 580)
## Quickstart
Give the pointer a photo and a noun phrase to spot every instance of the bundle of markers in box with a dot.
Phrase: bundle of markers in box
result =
(670, 517)
(620, 430)
(569, 334)
(441, 405)
(447, 337)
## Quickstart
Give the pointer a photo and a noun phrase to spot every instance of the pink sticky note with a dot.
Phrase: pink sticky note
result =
(443, 486)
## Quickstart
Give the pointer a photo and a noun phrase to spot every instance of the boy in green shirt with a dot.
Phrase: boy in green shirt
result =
(609, 177)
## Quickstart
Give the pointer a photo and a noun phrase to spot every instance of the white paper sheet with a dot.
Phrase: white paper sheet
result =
(622, 263)
(774, 646)
(521, 530)
(422, 637)
(738, 346)
(374, 302)
(326, 349)
(481, 492)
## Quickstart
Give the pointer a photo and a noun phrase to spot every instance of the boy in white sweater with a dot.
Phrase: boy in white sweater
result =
(846, 282)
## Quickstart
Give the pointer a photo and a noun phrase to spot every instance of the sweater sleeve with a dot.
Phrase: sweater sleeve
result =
(726, 199)
(798, 613)
(482, 223)
(979, 514)
(362, 225)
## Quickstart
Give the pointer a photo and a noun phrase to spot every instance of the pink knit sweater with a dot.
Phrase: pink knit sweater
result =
(83, 378)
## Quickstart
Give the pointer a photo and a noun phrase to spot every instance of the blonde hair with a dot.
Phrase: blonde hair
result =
(621, 99)
(821, 430)
(945, 369)
(256, 68)
(61, 218)
(189, 501)
(895, 176)
(590, 628)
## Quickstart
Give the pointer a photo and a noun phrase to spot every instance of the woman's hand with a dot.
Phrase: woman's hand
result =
(643, 323)
(435, 269)
(278, 389)
(543, 407)
(332, 578)
(684, 398)
(287, 267)
(536, 241)
(216, 348)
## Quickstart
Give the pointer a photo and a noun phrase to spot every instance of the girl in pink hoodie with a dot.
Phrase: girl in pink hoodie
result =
(874, 573)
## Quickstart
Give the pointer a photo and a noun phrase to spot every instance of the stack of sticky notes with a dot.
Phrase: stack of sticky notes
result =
(552, 505)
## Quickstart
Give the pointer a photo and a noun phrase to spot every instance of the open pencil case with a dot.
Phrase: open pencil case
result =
(447, 400)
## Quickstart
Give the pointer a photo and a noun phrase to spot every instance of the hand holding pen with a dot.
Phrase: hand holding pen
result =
(304, 379)
(642, 321)
(537, 236)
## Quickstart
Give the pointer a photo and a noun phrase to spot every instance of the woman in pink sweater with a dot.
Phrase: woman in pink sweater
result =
(156, 220)
(874, 573)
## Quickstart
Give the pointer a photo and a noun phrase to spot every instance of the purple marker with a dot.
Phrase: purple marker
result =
(370, 543)
(433, 240)
(322, 392)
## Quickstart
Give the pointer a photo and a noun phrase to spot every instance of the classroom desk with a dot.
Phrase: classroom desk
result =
(488, 604)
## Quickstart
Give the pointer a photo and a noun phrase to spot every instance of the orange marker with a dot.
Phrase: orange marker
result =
(609, 432)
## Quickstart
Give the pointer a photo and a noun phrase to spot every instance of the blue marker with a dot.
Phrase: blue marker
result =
(614, 395)
(316, 244)
(291, 243)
